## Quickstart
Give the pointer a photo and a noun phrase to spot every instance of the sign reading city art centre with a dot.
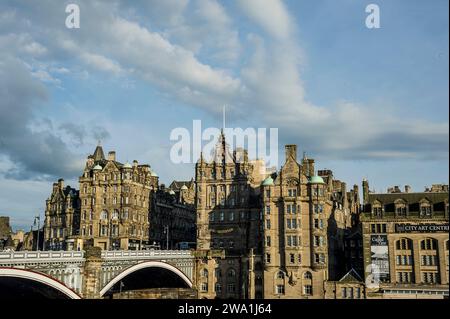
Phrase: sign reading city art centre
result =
(421, 228)
(380, 255)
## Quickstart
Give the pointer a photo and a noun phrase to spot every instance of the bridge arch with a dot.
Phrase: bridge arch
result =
(143, 265)
(40, 278)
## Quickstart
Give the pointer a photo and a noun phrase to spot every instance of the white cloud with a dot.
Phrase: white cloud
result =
(101, 63)
(271, 15)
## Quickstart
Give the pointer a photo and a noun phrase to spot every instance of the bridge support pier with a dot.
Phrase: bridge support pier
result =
(92, 273)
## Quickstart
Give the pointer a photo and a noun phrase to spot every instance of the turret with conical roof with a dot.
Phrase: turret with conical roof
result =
(98, 154)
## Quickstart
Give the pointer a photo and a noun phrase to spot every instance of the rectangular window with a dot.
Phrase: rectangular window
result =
(358, 293)
(292, 258)
(267, 223)
(268, 258)
(289, 224)
(268, 241)
(267, 210)
(307, 290)
(231, 288)
(280, 289)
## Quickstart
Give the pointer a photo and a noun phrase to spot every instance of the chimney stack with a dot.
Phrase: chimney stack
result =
(291, 150)
(112, 156)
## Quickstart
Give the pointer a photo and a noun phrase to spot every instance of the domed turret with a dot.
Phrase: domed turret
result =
(97, 168)
(268, 181)
(171, 192)
(153, 173)
(127, 165)
(316, 180)
(184, 188)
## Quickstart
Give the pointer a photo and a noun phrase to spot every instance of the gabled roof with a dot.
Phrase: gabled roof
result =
(351, 276)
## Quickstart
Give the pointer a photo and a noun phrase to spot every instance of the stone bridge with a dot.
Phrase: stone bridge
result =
(79, 274)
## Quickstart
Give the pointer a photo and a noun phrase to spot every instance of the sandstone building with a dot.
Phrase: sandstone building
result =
(276, 236)
(118, 206)
(405, 239)
(115, 200)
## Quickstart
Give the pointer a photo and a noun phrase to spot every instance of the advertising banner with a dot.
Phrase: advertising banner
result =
(380, 255)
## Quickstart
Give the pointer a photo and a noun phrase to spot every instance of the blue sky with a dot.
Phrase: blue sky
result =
(363, 102)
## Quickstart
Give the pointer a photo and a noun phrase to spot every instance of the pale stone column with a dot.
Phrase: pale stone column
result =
(416, 254)
(91, 273)
(442, 261)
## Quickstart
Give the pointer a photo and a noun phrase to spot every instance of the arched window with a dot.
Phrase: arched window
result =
(104, 215)
(280, 275)
(115, 214)
(377, 209)
(307, 275)
(403, 244)
(205, 273)
(428, 244)
(218, 273)
(231, 273)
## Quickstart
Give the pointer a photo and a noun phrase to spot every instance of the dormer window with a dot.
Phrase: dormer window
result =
(425, 209)
(400, 208)
(377, 210)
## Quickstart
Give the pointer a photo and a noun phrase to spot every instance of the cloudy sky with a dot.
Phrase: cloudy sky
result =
(363, 102)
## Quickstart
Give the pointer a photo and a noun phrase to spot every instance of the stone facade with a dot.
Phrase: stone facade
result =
(172, 219)
(228, 220)
(304, 219)
(115, 202)
(281, 236)
(62, 217)
(118, 206)
(405, 234)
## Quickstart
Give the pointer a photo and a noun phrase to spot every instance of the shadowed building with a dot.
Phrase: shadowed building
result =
(62, 217)
(228, 225)
(276, 236)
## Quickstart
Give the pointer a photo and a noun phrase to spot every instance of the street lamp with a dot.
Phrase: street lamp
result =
(166, 231)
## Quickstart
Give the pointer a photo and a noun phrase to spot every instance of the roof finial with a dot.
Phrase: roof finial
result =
(99, 143)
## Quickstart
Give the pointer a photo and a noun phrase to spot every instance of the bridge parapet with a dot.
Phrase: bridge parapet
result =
(146, 254)
(15, 257)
